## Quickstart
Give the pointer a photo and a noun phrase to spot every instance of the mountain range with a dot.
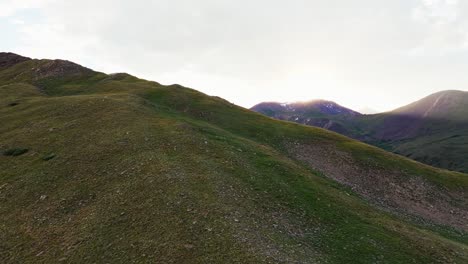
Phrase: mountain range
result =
(433, 130)
(110, 168)
(319, 113)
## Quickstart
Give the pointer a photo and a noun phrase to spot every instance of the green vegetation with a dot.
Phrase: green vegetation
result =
(433, 130)
(48, 157)
(15, 152)
(143, 172)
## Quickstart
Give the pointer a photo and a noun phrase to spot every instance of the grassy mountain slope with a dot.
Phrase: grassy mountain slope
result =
(119, 170)
(433, 130)
(443, 105)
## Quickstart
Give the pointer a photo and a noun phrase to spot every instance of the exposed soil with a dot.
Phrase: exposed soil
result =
(390, 189)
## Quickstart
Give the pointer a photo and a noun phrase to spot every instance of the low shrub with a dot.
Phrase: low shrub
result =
(15, 152)
(48, 157)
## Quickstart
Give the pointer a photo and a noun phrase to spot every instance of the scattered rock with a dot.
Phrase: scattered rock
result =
(60, 68)
(188, 246)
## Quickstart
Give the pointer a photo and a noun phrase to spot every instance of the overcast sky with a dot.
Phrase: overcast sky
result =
(379, 54)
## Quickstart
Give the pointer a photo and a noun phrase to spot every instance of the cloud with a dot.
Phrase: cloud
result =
(181, 33)
(221, 36)
(445, 23)
(10, 7)
(437, 12)
(248, 51)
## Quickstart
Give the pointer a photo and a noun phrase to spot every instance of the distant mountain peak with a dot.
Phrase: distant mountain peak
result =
(319, 105)
(450, 105)
(320, 113)
(451, 92)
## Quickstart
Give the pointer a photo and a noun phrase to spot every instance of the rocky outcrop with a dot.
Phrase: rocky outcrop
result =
(8, 59)
(59, 68)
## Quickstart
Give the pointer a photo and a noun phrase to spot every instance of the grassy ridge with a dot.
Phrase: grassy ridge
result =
(432, 130)
(260, 129)
(149, 173)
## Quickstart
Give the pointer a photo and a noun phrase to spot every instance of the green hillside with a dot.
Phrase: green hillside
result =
(101, 168)
(433, 130)
(443, 105)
